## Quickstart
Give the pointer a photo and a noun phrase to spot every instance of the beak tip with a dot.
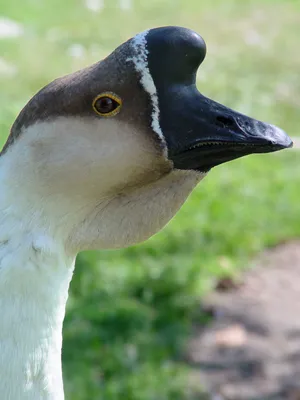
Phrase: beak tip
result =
(279, 138)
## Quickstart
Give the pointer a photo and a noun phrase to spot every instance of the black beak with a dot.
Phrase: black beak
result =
(203, 133)
(199, 132)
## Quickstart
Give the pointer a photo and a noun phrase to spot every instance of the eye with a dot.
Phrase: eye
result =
(107, 104)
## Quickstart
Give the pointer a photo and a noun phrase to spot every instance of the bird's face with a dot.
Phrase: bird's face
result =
(132, 127)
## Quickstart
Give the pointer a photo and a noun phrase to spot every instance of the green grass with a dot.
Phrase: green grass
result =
(130, 310)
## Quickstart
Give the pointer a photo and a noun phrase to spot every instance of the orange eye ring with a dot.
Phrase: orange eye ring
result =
(107, 104)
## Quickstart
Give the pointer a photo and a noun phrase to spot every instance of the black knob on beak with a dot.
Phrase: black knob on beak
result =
(175, 54)
(200, 133)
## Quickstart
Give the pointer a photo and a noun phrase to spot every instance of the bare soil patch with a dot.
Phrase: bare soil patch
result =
(251, 349)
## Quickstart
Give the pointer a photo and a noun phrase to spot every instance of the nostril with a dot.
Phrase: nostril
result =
(225, 121)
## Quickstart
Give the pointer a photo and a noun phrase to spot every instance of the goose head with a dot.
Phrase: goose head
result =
(108, 154)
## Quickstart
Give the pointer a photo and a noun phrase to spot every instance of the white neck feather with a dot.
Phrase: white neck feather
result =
(33, 296)
(35, 273)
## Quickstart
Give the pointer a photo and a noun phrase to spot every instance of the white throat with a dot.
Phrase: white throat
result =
(35, 273)
(34, 286)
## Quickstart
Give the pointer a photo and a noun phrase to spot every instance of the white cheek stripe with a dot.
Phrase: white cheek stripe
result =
(140, 60)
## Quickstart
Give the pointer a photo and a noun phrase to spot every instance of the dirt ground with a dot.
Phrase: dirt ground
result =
(251, 349)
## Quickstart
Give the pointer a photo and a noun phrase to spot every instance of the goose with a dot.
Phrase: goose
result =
(102, 158)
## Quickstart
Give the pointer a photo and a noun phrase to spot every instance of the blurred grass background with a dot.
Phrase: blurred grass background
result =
(130, 310)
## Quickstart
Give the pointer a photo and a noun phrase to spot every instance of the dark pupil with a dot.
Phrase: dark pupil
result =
(105, 105)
